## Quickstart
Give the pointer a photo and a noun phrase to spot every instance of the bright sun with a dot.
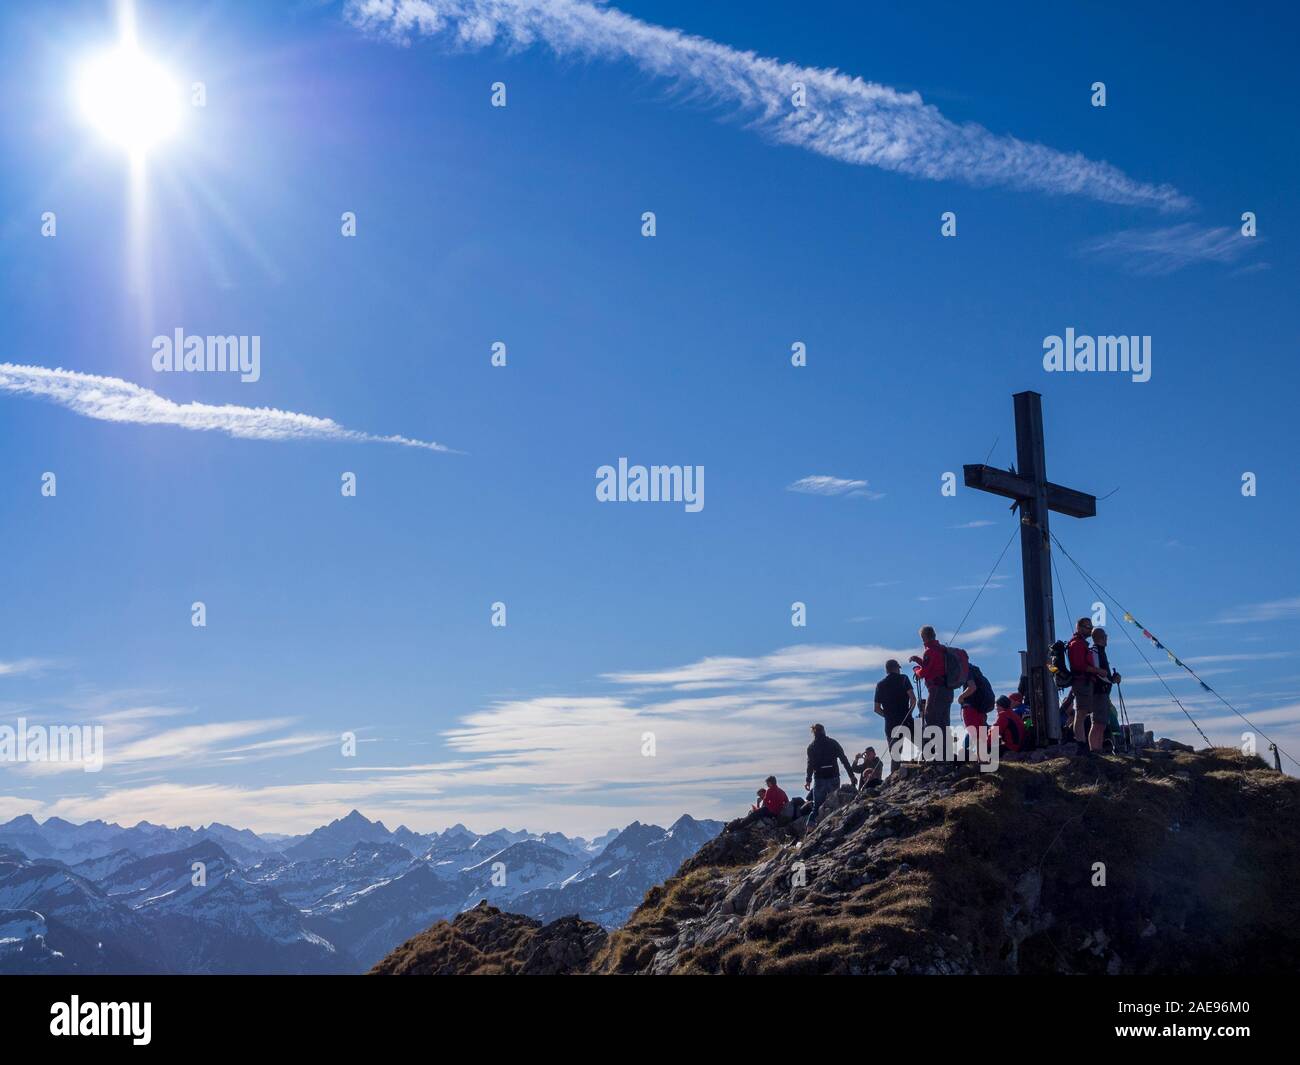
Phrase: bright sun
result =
(129, 99)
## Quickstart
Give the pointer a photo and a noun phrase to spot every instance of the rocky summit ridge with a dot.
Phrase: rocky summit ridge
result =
(1169, 862)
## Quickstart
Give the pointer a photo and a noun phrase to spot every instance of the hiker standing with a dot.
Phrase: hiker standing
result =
(1085, 673)
(932, 668)
(823, 776)
(1106, 681)
(977, 702)
(895, 701)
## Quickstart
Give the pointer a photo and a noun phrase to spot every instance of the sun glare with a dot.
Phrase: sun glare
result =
(129, 99)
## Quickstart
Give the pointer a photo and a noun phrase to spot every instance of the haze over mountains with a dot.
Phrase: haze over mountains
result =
(98, 897)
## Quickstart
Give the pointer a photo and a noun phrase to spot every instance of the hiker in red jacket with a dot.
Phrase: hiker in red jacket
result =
(938, 698)
(1011, 729)
(774, 799)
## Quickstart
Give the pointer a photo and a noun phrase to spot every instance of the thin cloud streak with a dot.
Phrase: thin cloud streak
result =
(28, 666)
(845, 118)
(111, 399)
(1272, 610)
(1156, 252)
(821, 484)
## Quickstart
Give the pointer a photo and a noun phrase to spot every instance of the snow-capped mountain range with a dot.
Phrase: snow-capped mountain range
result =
(98, 897)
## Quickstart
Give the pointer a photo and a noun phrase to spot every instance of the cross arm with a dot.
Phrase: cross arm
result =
(1013, 486)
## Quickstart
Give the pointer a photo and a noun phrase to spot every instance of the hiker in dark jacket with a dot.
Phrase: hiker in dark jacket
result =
(895, 701)
(824, 758)
(869, 768)
(977, 701)
(1109, 678)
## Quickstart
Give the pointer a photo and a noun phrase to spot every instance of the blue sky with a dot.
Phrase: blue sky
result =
(522, 224)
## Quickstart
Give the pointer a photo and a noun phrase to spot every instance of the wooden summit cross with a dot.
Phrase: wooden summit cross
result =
(1036, 497)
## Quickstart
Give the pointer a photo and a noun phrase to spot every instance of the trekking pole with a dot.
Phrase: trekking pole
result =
(1125, 731)
(920, 709)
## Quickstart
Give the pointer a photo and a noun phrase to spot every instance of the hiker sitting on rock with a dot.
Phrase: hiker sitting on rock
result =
(1010, 727)
(824, 758)
(869, 767)
(772, 804)
(774, 799)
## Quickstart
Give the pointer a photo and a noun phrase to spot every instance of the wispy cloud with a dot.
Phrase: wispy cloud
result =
(1204, 659)
(129, 744)
(825, 485)
(802, 658)
(1155, 252)
(995, 582)
(845, 117)
(798, 659)
(31, 666)
(980, 524)
(111, 399)
(1272, 610)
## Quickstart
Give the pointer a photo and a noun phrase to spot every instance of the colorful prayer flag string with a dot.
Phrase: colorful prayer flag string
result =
(1171, 656)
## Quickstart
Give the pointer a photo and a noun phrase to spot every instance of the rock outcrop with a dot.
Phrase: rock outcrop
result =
(484, 941)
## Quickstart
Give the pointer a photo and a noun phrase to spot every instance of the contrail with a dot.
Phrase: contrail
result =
(111, 399)
(844, 118)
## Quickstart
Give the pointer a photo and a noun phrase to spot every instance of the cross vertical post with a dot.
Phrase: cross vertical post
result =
(1035, 498)
(1036, 562)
